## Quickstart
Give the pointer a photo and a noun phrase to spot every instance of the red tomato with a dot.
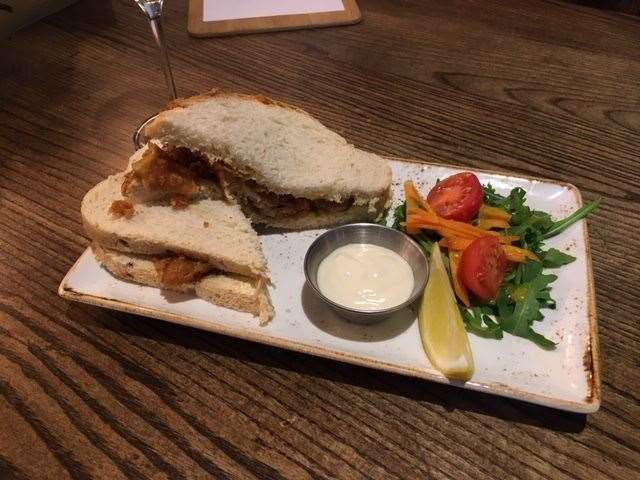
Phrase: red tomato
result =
(457, 197)
(483, 266)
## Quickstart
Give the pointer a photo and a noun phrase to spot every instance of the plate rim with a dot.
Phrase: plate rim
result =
(591, 358)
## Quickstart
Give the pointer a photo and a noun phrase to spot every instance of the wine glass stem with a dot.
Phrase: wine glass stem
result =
(158, 34)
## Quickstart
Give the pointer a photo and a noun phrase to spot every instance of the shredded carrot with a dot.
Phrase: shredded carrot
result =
(458, 287)
(447, 228)
(516, 257)
(412, 196)
(414, 205)
(489, 223)
(508, 239)
(514, 254)
(455, 243)
(411, 230)
(519, 255)
(495, 213)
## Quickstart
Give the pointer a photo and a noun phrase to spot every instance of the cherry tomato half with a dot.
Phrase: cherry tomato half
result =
(457, 197)
(483, 265)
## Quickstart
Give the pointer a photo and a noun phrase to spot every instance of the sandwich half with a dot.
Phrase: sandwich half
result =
(206, 245)
(236, 292)
(284, 167)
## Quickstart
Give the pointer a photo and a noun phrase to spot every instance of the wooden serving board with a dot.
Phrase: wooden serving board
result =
(254, 16)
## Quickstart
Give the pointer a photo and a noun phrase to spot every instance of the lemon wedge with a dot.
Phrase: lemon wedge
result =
(442, 331)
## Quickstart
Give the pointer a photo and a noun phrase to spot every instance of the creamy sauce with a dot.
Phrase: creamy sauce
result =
(365, 277)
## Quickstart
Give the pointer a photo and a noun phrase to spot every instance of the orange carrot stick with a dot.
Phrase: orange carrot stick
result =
(455, 243)
(493, 212)
(509, 238)
(489, 223)
(448, 228)
(458, 287)
(514, 254)
(519, 255)
(412, 196)
(414, 204)
(430, 221)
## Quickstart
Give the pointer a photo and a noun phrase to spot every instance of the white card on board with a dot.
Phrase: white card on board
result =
(217, 10)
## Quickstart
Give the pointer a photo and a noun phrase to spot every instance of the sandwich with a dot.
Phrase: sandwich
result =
(206, 246)
(283, 167)
(179, 217)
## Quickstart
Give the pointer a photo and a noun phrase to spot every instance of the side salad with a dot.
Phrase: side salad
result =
(493, 249)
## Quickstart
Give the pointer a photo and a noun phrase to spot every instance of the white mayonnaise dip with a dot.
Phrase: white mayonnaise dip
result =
(365, 277)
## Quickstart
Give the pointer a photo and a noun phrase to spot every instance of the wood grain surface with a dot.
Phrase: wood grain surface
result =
(199, 28)
(543, 88)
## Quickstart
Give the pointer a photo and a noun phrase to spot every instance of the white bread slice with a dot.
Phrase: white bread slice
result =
(210, 230)
(230, 291)
(277, 145)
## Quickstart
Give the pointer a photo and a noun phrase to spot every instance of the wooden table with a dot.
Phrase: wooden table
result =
(543, 88)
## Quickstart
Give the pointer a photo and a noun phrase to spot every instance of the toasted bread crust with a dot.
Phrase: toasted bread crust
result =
(130, 267)
(228, 243)
(279, 146)
(229, 291)
(185, 102)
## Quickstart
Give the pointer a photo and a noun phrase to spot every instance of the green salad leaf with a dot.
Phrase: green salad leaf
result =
(561, 225)
(479, 320)
(399, 216)
(382, 218)
(534, 226)
(520, 299)
(526, 223)
(427, 244)
(554, 258)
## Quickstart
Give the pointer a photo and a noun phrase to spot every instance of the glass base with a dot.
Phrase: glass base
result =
(140, 137)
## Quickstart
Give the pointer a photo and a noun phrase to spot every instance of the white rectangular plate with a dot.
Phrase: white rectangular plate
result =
(566, 378)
